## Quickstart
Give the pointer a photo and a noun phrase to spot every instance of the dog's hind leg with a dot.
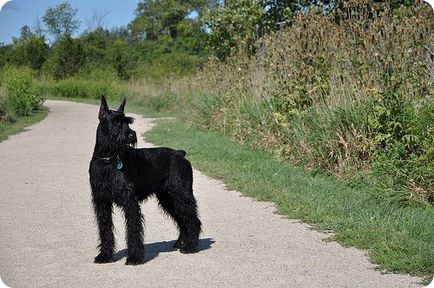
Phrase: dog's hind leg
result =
(103, 212)
(180, 204)
(134, 223)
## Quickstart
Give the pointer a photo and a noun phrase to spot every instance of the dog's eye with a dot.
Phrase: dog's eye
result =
(117, 124)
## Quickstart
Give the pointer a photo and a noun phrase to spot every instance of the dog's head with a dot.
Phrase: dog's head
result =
(114, 126)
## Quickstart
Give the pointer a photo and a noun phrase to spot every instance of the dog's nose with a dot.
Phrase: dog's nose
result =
(131, 136)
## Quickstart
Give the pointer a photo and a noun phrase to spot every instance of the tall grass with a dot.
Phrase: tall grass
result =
(90, 84)
(350, 93)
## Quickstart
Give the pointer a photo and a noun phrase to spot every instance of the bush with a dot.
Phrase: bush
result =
(23, 96)
(170, 65)
(98, 73)
(5, 114)
(79, 88)
(66, 58)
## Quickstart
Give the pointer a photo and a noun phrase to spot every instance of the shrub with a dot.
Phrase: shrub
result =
(169, 65)
(23, 96)
(66, 58)
(79, 88)
(5, 114)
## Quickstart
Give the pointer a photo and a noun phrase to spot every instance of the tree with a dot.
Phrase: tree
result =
(236, 21)
(277, 13)
(25, 33)
(6, 54)
(28, 49)
(156, 18)
(96, 44)
(35, 52)
(66, 59)
(96, 21)
(121, 58)
(244, 21)
(39, 31)
(60, 20)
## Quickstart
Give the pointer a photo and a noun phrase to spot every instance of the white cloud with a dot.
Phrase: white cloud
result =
(2, 3)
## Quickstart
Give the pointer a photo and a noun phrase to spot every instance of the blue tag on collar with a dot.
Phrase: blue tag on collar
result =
(119, 165)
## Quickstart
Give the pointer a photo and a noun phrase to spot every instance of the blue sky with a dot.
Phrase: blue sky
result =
(18, 13)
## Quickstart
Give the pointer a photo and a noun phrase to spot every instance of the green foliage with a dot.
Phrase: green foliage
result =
(28, 49)
(181, 40)
(169, 65)
(121, 57)
(19, 124)
(95, 45)
(163, 18)
(60, 20)
(31, 52)
(396, 4)
(66, 59)
(25, 34)
(240, 23)
(6, 55)
(5, 114)
(235, 22)
(168, 41)
(23, 96)
(81, 88)
(102, 74)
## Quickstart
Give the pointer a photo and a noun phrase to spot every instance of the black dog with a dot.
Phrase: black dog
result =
(125, 176)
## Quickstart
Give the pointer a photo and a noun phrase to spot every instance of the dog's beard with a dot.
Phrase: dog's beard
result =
(121, 144)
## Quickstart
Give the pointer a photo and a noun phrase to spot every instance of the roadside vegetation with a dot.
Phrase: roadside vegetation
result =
(20, 101)
(343, 90)
(398, 237)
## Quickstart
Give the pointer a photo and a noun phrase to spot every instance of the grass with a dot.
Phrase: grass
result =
(398, 238)
(19, 125)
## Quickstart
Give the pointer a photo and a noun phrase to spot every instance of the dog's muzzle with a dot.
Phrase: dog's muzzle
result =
(131, 138)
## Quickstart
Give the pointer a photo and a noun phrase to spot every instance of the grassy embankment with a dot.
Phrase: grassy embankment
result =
(398, 238)
(20, 124)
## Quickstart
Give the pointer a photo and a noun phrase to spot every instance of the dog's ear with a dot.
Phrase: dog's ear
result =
(122, 106)
(103, 109)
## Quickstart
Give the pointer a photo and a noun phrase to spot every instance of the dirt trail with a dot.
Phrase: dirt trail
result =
(48, 235)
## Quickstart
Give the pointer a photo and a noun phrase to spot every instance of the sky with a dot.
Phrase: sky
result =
(18, 13)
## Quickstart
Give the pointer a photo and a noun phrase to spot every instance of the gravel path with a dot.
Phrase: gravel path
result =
(48, 235)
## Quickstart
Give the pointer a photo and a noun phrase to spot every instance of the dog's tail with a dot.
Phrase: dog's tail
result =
(181, 153)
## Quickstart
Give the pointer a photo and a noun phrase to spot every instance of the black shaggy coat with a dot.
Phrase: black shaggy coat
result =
(125, 176)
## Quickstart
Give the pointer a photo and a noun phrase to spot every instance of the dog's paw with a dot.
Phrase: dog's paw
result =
(135, 260)
(103, 258)
(178, 244)
(189, 249)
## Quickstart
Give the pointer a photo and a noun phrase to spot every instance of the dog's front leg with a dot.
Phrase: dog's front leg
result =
(103, 212)
(134, 223)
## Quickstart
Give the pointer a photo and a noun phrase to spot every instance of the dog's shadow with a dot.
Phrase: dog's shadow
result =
(152, 250)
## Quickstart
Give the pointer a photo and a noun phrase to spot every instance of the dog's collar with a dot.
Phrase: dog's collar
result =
(108, 160)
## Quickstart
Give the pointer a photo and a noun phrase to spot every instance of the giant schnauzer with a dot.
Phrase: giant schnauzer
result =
(125, 176)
